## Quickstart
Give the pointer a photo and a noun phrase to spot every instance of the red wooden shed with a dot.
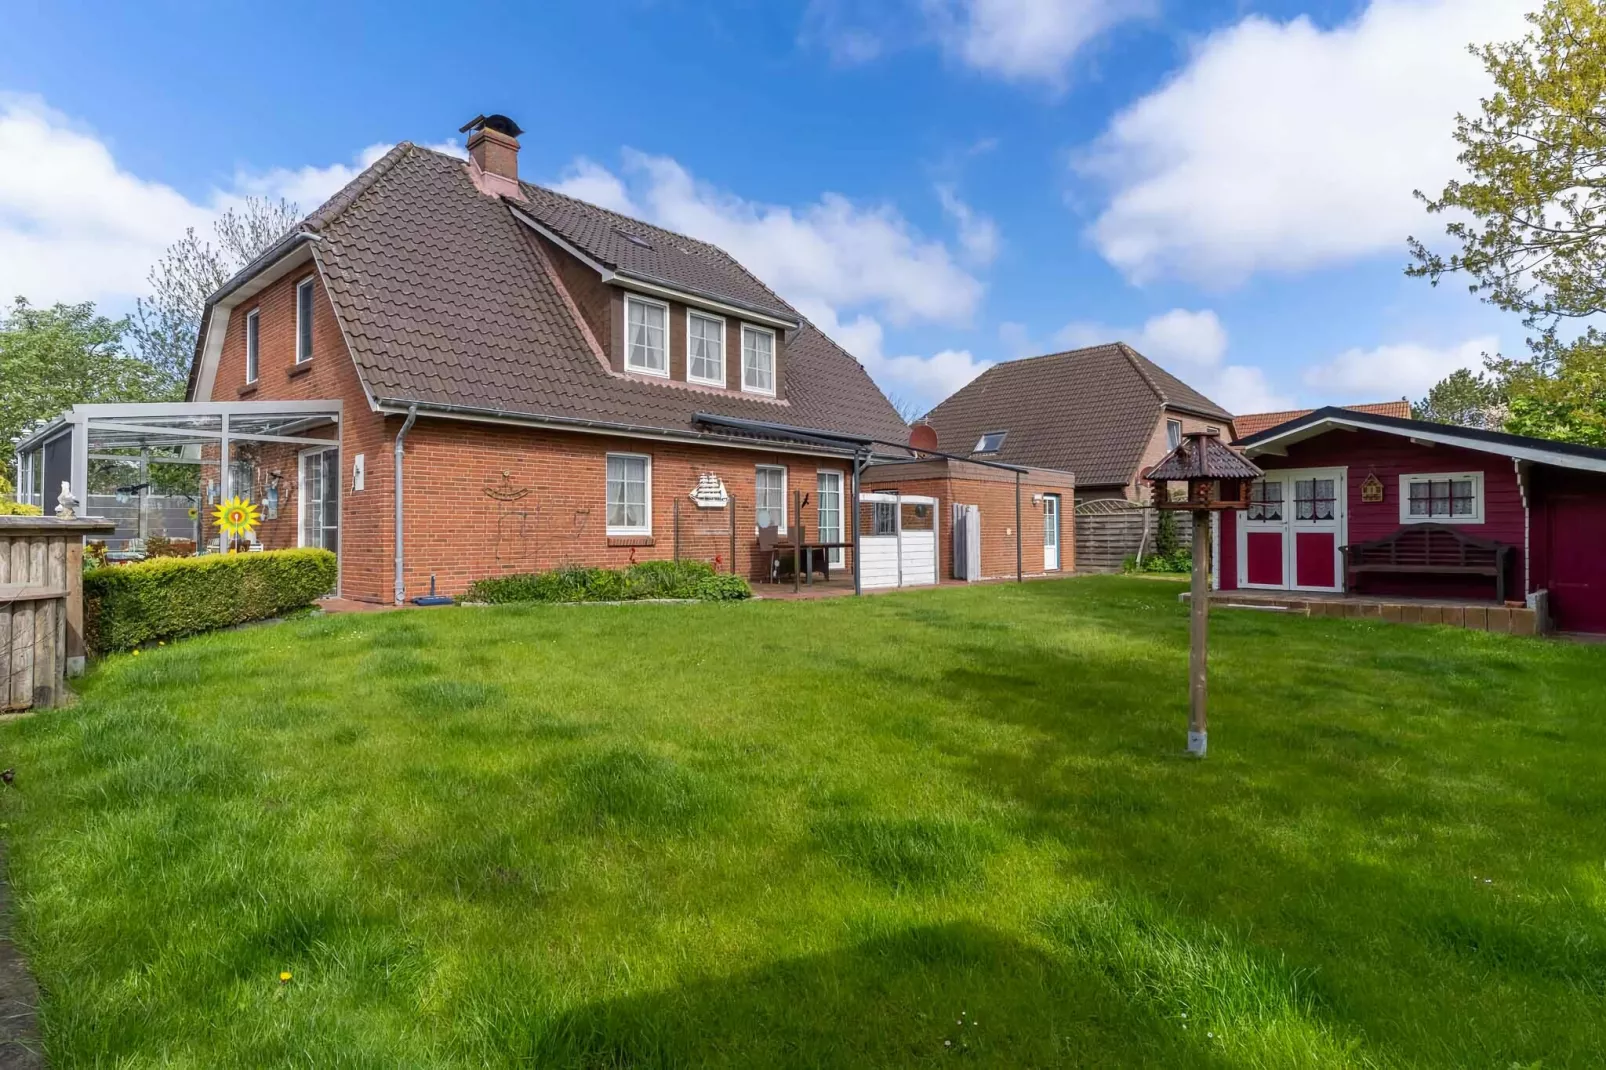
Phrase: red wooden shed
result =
(1376, 505)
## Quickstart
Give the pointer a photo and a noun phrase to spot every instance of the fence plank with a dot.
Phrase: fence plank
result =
(44, 623)
(5, 625)
(21, 696)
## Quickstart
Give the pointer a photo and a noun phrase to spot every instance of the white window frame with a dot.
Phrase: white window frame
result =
(1169, 424)
(634, 299)
(981, 441)
(1478, 509)
(253, 345)
(623, 530)
(774, 361)
(699, 314)
(302, 458)
(781, 468)
(834, 557)
(302, 356)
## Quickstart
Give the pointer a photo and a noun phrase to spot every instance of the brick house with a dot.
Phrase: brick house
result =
(547, 381)
(1105, 414)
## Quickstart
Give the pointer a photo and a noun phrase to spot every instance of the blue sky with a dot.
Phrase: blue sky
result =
(939, 184)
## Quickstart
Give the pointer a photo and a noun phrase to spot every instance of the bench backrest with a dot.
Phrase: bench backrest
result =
(1428, 545)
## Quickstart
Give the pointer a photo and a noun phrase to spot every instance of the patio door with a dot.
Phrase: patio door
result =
(320, 498)
(829, 514)
(1051, 532)
(1289, 537)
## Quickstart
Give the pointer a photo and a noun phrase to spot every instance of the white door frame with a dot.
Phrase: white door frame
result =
(302, 457)
(833, 557)
(1289, 527)
(1056, 528)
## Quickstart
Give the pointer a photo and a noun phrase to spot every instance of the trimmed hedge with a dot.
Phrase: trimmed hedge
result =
(126, 606)
(18, 509)
(649, 579)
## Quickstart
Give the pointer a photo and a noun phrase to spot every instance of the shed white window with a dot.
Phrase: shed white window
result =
(629, 494)
(647, 335)
(705, 349)
(758, 360)
(1442, 498)
(304, 321)
(769, 495)
(252, 340)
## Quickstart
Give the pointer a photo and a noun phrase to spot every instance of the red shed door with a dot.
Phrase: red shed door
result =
(1577, 566)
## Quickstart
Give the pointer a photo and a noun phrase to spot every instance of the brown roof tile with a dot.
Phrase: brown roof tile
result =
(1256, 422)
(445, 299)
(1088, 411)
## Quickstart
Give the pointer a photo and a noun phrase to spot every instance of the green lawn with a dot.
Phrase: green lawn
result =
(949, 824)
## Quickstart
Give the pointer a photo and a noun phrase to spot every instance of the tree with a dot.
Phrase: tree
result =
(166, 324)
(54, 358)
(1567, 401)
(1465, 398)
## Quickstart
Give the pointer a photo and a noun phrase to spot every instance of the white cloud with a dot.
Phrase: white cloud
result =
(1393, 371)
(1191, 345)
(76, 226)
(847, 266)
(978, 234)
(1284, 146)
(1025, 40)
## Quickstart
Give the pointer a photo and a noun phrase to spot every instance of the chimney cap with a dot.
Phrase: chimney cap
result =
(500, 123)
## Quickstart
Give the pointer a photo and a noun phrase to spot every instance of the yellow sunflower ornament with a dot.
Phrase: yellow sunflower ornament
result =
(236, 517)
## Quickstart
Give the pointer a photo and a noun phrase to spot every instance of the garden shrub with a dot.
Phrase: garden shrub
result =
(1178, 560)
(18, 509)
(126, 606)
(648, 579)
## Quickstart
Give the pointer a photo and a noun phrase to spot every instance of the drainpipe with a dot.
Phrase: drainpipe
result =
(401, 436)
(1017, 529)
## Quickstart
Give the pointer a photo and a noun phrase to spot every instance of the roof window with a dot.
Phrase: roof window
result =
(633, 239)
(990, 442)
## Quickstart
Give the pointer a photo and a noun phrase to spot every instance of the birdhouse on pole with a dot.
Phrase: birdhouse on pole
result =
(1217, 478)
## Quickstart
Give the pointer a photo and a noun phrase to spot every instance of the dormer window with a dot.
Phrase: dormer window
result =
(758, 360)
(705, 349)
(647, 331)
(990, 442)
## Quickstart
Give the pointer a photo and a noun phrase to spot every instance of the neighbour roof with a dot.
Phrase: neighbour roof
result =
(1522, 447)
(1256, 422)
(445, 300)
(1088, 411)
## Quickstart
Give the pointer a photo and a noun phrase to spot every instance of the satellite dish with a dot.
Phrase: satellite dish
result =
(923, 438)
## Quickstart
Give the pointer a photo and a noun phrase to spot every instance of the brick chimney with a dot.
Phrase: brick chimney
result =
(493, 155)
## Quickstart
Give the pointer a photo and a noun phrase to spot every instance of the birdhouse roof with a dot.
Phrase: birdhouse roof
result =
(1203, 456)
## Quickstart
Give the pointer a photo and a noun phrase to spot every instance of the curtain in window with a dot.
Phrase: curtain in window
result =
(627, 493)
(769, 494)
(707, 345)
(758, 361)
(1314, 499)
(1265, 500)
(1443, 497)
(648, 351)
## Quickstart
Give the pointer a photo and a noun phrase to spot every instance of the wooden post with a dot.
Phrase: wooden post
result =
(1198, 651)
(797, 539)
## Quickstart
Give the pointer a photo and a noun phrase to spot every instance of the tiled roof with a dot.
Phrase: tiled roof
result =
(445, 299)
(1203, 457)
(1089, 411)
(1257, 422)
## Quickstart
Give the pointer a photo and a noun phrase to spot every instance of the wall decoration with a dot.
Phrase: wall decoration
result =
(1371, 488)
(710, 493)
(236, 518)
(514, 521)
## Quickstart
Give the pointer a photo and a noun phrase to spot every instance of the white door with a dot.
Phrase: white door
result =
(320, 499)
(1051, 532)
(830, 514)
(1289, 537)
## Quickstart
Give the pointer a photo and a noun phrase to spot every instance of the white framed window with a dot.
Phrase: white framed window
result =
(769, 496)
(990, 442)
(253, 341)
(1442, 498)
(629, 494)
(304, 320)
(1173, 434)
(758, 360)
(318, 498)
(646, 336)
(705, 349)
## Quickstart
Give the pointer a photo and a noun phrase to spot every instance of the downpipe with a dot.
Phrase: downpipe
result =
(401, 438)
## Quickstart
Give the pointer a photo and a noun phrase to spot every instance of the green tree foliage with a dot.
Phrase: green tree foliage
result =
(57, 357)
(166, 324)
(1465, 398)
(1530, 219)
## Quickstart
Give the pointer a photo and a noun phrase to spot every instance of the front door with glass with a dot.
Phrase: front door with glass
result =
(830, 514)
(1051, 532)
(320, 499)
(1290, 536)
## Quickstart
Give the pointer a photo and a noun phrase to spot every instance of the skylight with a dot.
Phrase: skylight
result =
(633, 239)
(990, 442)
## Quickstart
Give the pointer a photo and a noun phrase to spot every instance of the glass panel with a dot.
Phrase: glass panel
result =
(885, 518)
(304, 321)
(1266, 500)
(1173, 434)
(627, 493)
(252, 339)
(647, 352)
(770, 497)
(707, 356)
(758, 361)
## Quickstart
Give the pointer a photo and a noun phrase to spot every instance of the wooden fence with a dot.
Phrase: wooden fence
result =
(41, 607)
(1110, 530)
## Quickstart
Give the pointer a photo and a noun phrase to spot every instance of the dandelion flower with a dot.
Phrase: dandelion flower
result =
(284, 977)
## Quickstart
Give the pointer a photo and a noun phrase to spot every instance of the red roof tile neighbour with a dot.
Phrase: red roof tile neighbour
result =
(1257, 422)
(1089, 411)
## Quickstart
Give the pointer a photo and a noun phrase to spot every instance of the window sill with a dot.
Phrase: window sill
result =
(630, 540)
(300, 369)
(249, 388)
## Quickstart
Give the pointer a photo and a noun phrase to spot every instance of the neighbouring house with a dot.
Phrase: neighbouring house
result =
(1104, 414)
(446, 373)
(1255, 422)
(1428, 499)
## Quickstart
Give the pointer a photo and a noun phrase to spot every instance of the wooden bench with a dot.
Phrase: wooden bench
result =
(1429, 549)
